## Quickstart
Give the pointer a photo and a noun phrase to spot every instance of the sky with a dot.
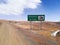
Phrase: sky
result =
(20, 9)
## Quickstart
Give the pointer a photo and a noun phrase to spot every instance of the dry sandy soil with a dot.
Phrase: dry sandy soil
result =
(22, 33)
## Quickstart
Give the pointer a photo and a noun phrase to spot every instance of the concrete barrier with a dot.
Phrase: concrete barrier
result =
(55, 33)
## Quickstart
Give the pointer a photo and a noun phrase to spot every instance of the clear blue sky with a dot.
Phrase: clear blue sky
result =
(51, 9)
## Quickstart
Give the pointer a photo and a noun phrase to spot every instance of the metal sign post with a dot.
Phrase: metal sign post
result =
(40, 25)
(30, 25)
(41, 18)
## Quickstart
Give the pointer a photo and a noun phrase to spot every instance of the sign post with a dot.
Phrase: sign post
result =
(41, 18)
(36, 18)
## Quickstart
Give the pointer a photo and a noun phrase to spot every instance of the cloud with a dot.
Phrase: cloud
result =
(16, 7)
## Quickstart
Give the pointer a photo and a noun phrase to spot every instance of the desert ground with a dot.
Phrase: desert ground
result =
(26, 33)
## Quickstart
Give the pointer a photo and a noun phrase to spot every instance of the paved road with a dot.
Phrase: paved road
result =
(10, 35)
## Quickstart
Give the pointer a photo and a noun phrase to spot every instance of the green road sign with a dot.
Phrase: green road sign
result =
(36, 17)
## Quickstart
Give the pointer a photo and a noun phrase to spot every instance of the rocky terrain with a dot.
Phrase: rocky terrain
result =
(26, 33)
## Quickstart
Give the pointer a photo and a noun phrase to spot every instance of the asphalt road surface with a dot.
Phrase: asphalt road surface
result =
(10, 35)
